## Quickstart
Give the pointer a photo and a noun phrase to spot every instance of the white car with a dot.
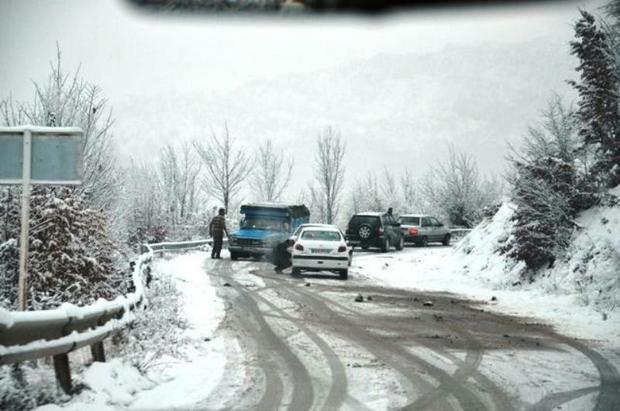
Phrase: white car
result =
(321, 248)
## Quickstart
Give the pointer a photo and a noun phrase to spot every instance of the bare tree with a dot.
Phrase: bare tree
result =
(390, 191)
(456, 189)
(68, 100)
(178, 175)
(144, 204)
(272, 172)
(329, 174)
(227, 166)
(410, 199)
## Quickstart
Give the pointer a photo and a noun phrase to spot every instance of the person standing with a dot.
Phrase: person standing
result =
(217, 228)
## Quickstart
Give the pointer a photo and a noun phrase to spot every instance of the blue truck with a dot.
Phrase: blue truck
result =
(263, 226)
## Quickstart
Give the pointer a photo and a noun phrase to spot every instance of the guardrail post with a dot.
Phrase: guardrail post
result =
(63, 372)
(97, 351)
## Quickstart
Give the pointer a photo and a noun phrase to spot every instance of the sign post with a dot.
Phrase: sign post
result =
(37, 155)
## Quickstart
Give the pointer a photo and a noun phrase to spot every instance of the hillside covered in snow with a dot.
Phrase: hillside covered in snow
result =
(588, 272)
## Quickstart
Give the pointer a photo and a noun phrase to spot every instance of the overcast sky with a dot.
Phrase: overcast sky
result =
(139, 58)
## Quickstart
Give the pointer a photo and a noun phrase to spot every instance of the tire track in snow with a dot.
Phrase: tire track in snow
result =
(268, 345)
(338, 388)
(395, 355)
(465, 368)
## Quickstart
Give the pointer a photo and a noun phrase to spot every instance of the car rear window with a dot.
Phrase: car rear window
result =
(364, 219)
(409, 220)
(321, 235)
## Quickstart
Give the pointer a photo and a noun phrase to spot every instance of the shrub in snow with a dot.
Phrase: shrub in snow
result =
(156, 333)
(20, 390)
(72, 258)
(543, 193)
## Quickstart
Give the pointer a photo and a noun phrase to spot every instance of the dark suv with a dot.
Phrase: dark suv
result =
(374, 230)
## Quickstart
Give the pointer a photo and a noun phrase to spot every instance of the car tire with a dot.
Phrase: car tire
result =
(350, 257)
(344, 274)
(385, 247)
(446, 240)
(401, 244)
(234, 256)
(296, 272)
(364, 232)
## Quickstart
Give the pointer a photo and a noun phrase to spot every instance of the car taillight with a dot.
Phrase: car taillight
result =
(380, 230)
(413, 231)
(299, 247)
(342, 249)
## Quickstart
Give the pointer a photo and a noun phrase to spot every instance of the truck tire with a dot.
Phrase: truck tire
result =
(344, 274)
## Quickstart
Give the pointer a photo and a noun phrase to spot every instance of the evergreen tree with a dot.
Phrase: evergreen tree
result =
(543, 192)
(71, 255)
(599, 97)
(549, 186)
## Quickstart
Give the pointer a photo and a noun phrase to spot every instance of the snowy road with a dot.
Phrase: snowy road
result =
(305, 343)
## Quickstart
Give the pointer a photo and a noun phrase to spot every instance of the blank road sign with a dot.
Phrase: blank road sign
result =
(11, 156)
(56, 155)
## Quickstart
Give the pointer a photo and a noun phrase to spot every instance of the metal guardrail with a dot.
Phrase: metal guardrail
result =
(28, 335)
(172, 246)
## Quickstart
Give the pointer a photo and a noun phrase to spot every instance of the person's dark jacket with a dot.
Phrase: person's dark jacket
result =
(281, 257)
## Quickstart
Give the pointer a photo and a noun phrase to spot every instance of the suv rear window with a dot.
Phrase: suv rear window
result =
(364, 219)
(409, 220)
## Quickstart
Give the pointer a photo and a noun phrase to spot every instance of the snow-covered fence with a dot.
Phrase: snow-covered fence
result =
(28, 335)
(182, 245)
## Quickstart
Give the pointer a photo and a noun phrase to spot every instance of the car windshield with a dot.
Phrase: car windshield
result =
(317, 235)
(261, 224)
(409, 220)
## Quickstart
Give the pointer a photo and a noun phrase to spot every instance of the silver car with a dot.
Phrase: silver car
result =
(421, 229)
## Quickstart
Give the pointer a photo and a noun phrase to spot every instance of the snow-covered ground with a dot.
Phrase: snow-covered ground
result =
(173, 381)
(578, 296)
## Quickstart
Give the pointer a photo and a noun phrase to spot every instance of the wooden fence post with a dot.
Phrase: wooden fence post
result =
(97, 351)
(63, 372)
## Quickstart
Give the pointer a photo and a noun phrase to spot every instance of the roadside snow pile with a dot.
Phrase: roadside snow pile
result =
(479, 253)
(179, 371)
(589, 270)
(591, 266)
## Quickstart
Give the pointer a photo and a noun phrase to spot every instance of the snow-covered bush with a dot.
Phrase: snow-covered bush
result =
(157, 332)
(551, 183)
(543, 193)
(72, 258)
(19, 390)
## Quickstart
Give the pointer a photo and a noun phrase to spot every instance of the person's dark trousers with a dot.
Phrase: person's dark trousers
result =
(282, 264)
(218, 238)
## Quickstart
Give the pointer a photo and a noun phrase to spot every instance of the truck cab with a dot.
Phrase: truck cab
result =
(263, 226)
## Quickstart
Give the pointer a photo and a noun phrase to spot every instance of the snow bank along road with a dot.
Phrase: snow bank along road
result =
(305, 343)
